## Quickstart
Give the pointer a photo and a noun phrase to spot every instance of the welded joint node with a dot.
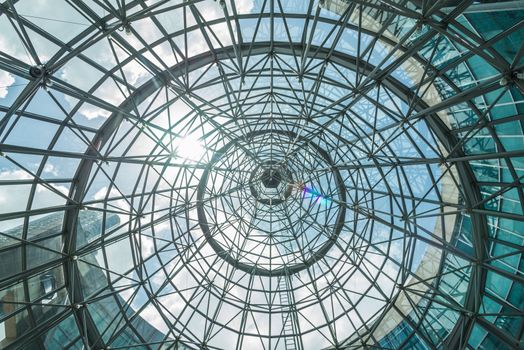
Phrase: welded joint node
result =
(42, 73)
(511, 77)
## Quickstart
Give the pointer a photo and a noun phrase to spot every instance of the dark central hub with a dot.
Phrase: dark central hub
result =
(270, 183)
(271, 178)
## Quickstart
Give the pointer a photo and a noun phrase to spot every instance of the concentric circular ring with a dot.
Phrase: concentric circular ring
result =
(269, 213)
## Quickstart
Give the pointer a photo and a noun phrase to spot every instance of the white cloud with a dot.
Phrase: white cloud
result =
(15, 175)
(74, 74)
(6, 80)
(147, 245)
(150, 313)
(135, 74)
(14, 197)
(244, 6)
(70, 74)
(50, 169)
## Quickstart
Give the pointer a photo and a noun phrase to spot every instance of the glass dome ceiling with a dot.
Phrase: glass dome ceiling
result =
(261, 174)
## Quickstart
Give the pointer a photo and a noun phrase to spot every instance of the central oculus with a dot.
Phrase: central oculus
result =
(271, 178)
(269, 203)
(271, 183)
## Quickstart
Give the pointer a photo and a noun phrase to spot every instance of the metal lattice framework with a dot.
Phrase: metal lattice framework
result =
(261, 174)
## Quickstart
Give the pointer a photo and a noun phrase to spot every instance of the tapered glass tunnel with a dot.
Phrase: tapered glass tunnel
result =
(261, 174)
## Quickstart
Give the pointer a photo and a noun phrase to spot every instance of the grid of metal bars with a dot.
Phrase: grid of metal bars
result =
(367, 82)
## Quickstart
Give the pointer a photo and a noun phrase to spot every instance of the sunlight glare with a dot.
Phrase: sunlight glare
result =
(190, 147)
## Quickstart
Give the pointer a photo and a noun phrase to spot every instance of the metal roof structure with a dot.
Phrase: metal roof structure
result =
(261, 174)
